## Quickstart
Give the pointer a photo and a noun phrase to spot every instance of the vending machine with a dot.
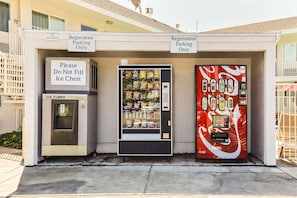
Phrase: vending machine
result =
(221, 112)
(69, 107)
(144, 110)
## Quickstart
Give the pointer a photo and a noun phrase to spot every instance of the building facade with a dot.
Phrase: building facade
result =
(257, 51)
(81, 15)
(286, 78)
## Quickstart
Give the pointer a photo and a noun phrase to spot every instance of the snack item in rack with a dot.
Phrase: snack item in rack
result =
(135, 73)
(143, 85)
(143, 123)
(128, 123)
(136, 105)
(129, 86)
(136, 84)
(150, 105)
(144, 104)
(129, 95)
(157, 105)
(136, 123)
(156, 85)
(129, 105)
(151, 125)
(157, 73)
(150, 85)
(149, 95)
(128, 74)
(157, 114)
(148, 115)
(142, 96)
(142, 74)
(150, 74)
(136, 95)
(155, 93)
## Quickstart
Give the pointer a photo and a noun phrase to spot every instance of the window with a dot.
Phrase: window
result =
(290, 52)
(4, 17)
(44, 22)
(57, 24)
(86, 28)
(39, 21)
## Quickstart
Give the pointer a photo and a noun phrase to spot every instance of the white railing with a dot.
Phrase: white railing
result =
(11, 68)
(286, 120)
(286, 68)
(11, 77)
(3, 63)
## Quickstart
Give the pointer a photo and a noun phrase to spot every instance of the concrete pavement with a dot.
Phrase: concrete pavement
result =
(11, 170)
(180, 176)
(156, 180)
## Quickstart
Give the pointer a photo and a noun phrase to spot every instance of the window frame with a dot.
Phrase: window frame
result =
(5, 26)
(87, 28)
(290, 52)
(49, 20)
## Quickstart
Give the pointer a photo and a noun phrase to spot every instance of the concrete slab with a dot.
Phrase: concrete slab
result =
(154, 180)
(10, 174)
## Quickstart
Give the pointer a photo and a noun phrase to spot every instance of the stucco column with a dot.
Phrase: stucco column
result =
(269, 107)
(30, 133)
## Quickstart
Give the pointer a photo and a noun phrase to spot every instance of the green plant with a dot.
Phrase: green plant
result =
(12, 139)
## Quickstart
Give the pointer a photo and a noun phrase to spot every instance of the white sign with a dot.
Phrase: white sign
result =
(67, 72)
(81, 43)
(183, 44)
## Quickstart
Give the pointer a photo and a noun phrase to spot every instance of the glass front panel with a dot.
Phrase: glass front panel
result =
(141, 98)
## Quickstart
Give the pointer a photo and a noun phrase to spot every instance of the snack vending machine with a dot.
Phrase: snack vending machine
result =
(144, 110)
(221, 112)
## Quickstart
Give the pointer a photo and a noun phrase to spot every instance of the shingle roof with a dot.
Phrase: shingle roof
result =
(127, 13)
(266, 26)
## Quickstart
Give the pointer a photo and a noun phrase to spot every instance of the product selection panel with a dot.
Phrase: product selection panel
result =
(218, 96)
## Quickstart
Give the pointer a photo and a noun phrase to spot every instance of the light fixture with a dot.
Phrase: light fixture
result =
(109, 22)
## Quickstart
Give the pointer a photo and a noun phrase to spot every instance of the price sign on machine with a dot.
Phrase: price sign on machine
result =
(66, 72)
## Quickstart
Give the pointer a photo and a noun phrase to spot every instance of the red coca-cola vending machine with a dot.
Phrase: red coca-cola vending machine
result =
(221, 112)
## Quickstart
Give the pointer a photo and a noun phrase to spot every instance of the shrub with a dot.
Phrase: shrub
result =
(12, 139)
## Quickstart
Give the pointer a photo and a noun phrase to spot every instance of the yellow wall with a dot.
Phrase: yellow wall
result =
(14, 14)
(285, 38)
(75, 16)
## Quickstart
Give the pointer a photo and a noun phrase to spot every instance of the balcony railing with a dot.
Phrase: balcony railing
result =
(11, 77)
(11, 68)
(286, 68)
(286, 120)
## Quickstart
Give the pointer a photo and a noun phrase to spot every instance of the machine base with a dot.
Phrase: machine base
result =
(145, 148)
(64, 150)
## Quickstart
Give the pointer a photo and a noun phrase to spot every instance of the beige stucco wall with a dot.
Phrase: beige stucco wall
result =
(183, 98)
(11, 115)
(7, 118)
